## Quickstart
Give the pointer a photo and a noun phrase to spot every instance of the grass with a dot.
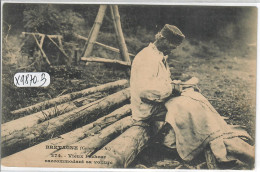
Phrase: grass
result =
(227, 80)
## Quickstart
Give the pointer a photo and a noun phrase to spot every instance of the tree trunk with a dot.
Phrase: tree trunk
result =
(38, 117)
(123, 150)
(95, 142)
(30, 136)
(39, 152)
(68, 97)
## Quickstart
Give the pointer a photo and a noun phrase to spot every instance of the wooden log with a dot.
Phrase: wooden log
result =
(43, 53)
(102, 45)
(32, 33)
(123, 150)
(108, 61)
(60, 42)
(39, 152)
(121, 39)
(42, 39)
(68, 97)
(115, 26)
(41, 34)
(94, 33)
(210, 159)
(23, 139)
(38, 117)
(95, 142)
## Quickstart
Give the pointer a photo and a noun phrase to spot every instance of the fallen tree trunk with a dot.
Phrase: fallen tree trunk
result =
(95, 142)
(68, 97)
(108, 61)
(119, 153)
(23, 139)
(38, 117)
(39, 152)
(122, 151)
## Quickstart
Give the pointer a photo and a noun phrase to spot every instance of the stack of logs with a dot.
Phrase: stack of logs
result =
(87, 128)
(99, 127)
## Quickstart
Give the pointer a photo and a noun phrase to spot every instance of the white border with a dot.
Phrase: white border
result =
(151, 2)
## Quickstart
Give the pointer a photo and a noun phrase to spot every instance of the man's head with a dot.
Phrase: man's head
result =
(168, 39)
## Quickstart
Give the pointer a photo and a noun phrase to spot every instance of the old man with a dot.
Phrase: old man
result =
(195, 122)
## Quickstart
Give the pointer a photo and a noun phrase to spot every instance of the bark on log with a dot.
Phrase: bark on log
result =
(95, 142)
(103, 60)
(102, 45)
(23, 139)
(68, 97)
(39, 152)
(123, 150)
(38, 117)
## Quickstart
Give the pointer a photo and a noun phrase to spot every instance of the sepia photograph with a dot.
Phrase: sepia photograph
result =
(128, 86)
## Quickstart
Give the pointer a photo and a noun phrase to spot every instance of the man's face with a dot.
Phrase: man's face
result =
(165, 46)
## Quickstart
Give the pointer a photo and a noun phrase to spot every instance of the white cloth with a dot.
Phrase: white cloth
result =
(150, 80)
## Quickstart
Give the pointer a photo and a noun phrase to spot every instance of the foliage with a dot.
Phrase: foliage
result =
(50, 19)
(41, 18)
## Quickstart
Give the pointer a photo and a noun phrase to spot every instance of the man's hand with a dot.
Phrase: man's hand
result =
(177, 86)
(191, 82)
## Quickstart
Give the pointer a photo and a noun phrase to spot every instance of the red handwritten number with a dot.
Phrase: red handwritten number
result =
(43, 79)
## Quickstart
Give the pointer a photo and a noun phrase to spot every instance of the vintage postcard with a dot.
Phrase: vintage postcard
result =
(128, 86)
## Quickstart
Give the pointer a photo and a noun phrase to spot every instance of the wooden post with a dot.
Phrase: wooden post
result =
(115, 28)
(120, 37)
(102, 45)
(76, 56)
(107, 61)
(60, 42)
(40, 47)
(94, 31)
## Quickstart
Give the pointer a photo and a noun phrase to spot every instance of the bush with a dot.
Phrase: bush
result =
(51, 19)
